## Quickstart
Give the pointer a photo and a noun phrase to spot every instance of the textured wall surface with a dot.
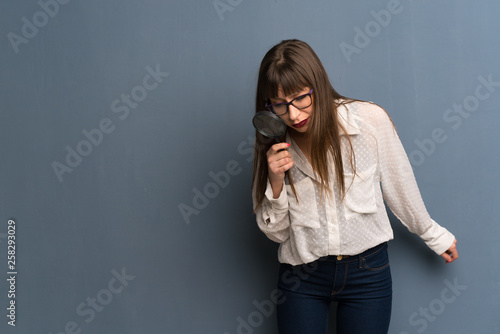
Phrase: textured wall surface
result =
(126, 157)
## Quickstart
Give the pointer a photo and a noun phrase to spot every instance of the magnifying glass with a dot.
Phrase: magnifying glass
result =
(269, 124)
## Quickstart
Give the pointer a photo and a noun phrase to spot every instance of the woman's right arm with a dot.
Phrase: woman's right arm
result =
(272, 215)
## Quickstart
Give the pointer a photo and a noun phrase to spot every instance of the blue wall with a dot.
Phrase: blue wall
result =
(116, 115)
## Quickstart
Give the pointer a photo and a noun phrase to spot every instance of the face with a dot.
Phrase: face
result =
(297, 119)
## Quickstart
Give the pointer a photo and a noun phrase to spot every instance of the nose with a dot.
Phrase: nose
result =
(293, 112)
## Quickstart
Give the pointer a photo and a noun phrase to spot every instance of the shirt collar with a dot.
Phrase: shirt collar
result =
(346, 117)
(300, 159)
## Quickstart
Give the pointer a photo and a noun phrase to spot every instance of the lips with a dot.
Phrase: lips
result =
(301, 124)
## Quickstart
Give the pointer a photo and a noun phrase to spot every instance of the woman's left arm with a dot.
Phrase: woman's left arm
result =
(400, 190)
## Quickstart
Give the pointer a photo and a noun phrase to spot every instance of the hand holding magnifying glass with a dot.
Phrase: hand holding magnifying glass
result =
(279, 160)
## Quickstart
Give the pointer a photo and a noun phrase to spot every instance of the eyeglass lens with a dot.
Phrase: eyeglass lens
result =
(300, 102)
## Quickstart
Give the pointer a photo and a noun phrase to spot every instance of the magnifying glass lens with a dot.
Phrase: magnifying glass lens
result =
(269, 125)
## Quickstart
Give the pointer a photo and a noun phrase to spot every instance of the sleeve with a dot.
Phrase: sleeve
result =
(272, 215)
(400, 190)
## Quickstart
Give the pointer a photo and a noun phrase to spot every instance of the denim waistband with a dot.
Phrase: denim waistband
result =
(350, 258)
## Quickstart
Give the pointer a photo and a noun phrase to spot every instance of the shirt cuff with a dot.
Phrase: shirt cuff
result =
(280, 203)
(438, 238)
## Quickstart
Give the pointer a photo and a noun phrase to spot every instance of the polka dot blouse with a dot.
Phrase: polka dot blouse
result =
(310, 228)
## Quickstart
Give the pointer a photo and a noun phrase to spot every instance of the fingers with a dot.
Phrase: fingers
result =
(277, 147)
(451, 254)
(281, 170)
(279, 160)
(446, 257)
(279, 166)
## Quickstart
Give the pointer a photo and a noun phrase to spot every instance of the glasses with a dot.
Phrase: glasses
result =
(300, 102)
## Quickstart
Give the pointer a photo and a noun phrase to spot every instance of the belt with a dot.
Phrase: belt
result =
(365, 253)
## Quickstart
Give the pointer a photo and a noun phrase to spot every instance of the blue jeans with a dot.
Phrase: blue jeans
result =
(360, 284)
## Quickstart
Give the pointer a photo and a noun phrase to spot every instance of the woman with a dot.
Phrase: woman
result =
(319, 195)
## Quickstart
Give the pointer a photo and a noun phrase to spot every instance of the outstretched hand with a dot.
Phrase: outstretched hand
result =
(451, 254)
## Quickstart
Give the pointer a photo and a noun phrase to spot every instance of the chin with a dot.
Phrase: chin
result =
(299, 130)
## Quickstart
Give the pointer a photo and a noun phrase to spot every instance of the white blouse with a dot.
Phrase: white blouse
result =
(310, 228)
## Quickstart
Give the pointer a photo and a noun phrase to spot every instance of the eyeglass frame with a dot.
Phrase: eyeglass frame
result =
(269, 106)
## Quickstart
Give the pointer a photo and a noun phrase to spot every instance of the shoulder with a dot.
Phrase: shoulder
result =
(367, 110)
(369, 113)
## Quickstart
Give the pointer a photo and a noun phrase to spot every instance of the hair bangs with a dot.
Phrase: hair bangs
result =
(282, 76)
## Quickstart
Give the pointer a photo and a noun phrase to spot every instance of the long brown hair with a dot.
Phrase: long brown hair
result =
(291, 66)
